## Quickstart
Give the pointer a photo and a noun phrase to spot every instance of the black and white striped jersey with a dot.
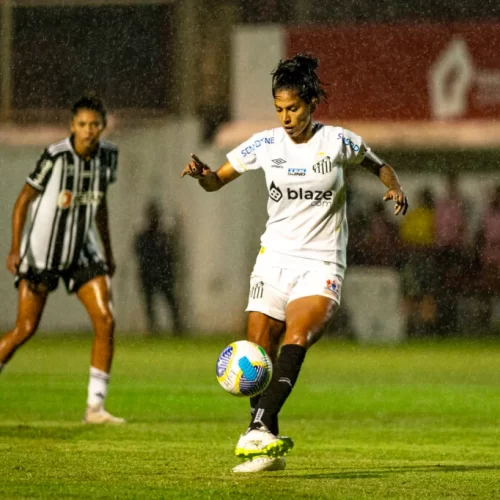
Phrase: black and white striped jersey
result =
(61, 231)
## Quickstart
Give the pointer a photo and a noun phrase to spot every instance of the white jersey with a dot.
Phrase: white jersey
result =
(61, 231)
(307, 205)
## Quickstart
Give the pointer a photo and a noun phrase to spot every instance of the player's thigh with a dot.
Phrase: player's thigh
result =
(265, 331)
(306, 318)
(313, 301)
(31, 303)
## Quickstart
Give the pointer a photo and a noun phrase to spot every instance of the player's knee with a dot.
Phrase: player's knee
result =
(106, 320)
(304, 337)
(298, 337)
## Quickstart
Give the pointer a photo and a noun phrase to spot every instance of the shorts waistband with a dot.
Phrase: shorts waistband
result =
(273, 258)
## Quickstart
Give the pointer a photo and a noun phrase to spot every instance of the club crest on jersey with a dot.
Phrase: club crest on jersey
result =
(332, 287)
(297, 172)
(275, 192)
(64, 199)
(324, 166)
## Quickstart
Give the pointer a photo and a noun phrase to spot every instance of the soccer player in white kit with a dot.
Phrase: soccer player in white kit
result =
(64, 200)
(296, 283)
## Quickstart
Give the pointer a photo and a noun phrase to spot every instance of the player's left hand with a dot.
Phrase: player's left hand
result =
(398, 195)
(196, 168)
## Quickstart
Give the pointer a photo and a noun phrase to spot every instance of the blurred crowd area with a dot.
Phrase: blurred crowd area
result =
(321, 11)
(162, 57)
(448, 261)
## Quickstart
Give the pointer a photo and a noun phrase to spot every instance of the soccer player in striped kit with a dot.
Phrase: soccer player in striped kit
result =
(64, 201)
(296, 283)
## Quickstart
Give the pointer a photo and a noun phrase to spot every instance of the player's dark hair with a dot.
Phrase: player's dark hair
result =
(299, 74)
(92, 102)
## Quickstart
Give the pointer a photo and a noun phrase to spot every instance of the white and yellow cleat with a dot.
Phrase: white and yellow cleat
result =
(262, 464)
(98, 415)
(259, 442)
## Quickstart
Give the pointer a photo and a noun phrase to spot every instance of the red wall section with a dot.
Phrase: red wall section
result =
(381, 72)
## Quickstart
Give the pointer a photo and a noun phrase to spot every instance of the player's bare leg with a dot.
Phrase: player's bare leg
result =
(306, 319)
(96, 298)
(266, 332)
(30, 308)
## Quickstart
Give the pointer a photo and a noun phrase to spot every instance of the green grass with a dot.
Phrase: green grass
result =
(420, 421)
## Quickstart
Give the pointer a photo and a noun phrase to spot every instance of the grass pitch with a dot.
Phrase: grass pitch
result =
(419, 421)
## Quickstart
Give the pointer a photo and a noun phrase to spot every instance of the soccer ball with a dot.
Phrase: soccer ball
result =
(244, 369)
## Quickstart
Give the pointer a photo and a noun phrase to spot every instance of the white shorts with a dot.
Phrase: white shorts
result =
(278, 279)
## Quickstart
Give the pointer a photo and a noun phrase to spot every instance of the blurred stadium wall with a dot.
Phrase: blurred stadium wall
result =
(194, 76)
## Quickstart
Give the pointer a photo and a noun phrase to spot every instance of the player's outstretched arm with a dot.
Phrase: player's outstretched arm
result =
(27, 195)
(207, 178)
(390, 179)
(395, 192)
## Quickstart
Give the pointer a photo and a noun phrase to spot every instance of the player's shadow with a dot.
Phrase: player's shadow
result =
(381, 472)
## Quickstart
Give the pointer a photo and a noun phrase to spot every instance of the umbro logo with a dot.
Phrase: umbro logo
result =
(278, 163)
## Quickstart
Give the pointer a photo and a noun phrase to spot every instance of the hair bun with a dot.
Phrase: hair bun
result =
(299, 74)
(306, 61)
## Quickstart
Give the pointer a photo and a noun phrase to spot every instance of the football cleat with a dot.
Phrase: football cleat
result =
(261, 464)
(98, 415)
(258, 442)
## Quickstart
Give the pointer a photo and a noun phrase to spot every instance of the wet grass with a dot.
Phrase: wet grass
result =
(416, 421)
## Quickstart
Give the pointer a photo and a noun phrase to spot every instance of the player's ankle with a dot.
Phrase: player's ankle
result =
(258, 426)
(95, 407)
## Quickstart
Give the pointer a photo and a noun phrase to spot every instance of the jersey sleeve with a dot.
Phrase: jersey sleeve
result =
(355, 150)
(244, 157)
(40, 177)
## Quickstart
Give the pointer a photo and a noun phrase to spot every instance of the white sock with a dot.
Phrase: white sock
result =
(98, 387)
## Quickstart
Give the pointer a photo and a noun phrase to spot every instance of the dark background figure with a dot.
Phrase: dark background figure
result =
(487, 249)
(418, 272)
(453, 256)
(156, 251)
(358, 227)
(381, 239)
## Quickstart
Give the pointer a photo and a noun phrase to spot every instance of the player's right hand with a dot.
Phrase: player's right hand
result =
(195, 168)
(13, 261)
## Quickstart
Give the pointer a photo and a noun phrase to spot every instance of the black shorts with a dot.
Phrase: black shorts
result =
(74, 278)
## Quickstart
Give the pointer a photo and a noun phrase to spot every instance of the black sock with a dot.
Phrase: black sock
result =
(254, 402)
(286, 371)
